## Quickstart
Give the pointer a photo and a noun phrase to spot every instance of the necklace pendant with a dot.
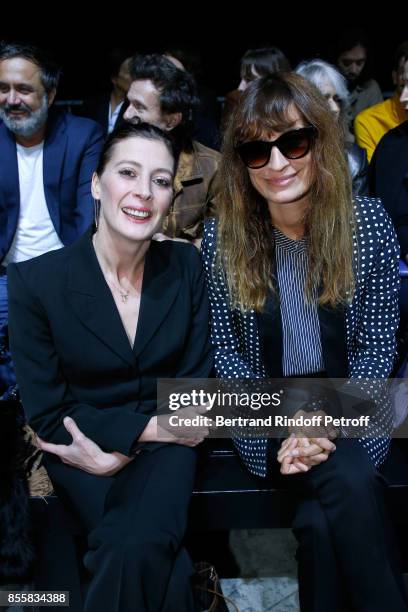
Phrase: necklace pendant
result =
(124, 297)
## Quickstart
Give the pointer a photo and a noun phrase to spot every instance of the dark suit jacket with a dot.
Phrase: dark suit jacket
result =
(72, 355)
(71, 151)
(388, 177)
(97, 108)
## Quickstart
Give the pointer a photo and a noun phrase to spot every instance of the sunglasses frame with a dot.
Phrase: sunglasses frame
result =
(309, 130)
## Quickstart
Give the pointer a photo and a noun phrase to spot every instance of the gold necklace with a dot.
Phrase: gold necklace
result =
(123, 294)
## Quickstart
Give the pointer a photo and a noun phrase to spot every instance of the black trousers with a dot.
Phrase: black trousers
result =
(135, 521)
(347, 556)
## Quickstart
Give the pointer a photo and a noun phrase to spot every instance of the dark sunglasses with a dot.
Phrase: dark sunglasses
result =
(293, 145)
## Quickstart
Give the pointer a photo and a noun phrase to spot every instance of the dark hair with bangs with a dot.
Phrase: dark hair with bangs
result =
(245, 237)
(267, 108)
(140, 130)
(265, 61)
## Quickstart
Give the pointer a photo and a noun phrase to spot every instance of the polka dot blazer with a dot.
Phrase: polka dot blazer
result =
(371, 322)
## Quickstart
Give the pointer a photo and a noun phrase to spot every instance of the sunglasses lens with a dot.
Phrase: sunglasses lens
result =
(296, 144)
(293, 145)
(255, 154)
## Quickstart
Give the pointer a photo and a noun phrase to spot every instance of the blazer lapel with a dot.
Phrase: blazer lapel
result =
(92, 301)
(54, 154)
(161, 283)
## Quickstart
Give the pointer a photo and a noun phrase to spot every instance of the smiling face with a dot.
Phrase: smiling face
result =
(144, 104)
(284, 181)
(135, 188)
(23, 100)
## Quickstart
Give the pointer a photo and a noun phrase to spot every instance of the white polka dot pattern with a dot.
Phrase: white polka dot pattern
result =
(371, 322)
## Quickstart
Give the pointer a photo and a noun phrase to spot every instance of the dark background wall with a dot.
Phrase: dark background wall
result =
(81, 44)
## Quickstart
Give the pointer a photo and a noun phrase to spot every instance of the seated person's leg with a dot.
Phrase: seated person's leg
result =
(136, 522)
(351, 493)
(321, 586)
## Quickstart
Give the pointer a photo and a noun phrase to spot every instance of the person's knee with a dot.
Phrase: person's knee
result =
(353, 471)
(142, 547)
(309, 525)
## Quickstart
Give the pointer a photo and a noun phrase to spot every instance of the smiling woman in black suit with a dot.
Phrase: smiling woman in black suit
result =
(92, 327)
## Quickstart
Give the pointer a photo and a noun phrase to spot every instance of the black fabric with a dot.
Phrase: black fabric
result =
(73, 357)
(136, 521)
(333, 337)
(347, 552)
(97, 108)
(62, 312)
(388, 179)
(16, 545)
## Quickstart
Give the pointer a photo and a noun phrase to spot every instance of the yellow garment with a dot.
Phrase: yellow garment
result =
(372, 123)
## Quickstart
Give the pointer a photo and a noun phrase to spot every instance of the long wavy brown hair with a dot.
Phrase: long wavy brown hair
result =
(245, 243)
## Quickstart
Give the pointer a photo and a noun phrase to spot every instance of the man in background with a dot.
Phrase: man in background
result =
(371, 124)
(165, 96)
(48, 158)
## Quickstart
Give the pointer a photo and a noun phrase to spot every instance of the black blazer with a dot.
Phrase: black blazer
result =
(388, 177)
(71, 353)
(97, 108)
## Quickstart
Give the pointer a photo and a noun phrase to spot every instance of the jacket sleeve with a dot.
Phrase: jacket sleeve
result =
(375, 349)
(88, 165)
(230, 360)
(45, 394)
(228, 350)
(194, 232)
(197, 361)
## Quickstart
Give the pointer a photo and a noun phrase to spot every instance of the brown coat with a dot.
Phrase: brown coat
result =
(195, 192)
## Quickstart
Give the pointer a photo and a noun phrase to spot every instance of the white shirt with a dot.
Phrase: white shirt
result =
(35, 233)
(113, 116)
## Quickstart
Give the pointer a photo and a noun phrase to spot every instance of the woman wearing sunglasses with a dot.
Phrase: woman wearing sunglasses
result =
(304, 283)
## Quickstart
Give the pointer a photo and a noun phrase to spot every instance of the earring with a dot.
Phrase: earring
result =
(97, 208)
